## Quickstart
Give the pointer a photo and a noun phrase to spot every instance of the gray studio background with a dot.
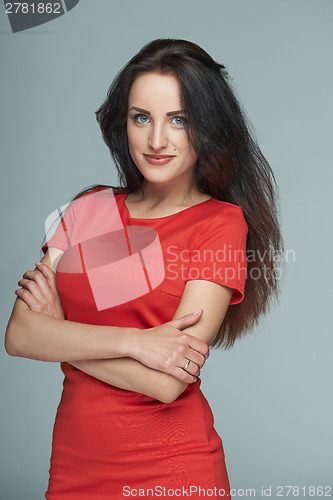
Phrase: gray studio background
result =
(271, 394)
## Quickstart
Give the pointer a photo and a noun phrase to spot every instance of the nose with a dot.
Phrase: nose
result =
(157, 137)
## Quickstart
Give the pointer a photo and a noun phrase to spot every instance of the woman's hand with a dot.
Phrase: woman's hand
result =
(39, 291)
(168, 349)
(165, 348)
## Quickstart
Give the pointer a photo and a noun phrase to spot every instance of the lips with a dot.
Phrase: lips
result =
(158, 159)
(160, 156)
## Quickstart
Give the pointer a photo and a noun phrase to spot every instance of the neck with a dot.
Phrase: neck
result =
(178, 193)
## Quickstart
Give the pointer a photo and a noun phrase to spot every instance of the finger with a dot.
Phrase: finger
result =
(183, 376)
(33, 275)
(195, 357)
(31, 287)
(187, 320)
(28, 298)
(47, 272)
(39, 279)
(191, 368)
(199, 346)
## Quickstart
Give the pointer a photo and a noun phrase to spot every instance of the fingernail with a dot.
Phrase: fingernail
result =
(36, 263)
(197, 312)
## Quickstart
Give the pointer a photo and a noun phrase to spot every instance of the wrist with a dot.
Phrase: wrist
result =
(130, 343)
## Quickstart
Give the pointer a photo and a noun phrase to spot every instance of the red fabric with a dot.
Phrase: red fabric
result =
(105, 438)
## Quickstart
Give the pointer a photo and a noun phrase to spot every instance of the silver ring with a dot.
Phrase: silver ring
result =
(187, 365)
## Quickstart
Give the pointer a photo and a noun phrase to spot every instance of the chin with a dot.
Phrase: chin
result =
(155, 173)
(156, 179)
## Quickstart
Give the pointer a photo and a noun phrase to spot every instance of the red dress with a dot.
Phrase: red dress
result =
(109, 443)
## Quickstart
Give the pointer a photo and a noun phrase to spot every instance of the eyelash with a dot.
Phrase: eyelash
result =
(135, 118)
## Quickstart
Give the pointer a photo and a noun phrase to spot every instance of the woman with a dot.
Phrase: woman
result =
(133, 264)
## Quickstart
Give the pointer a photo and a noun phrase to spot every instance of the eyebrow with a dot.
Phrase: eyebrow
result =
(171, 113)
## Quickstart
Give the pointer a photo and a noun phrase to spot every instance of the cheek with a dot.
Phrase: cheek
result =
(181, 142)
(136, 137)
(187, 149)
(132, 138)
(194, 155)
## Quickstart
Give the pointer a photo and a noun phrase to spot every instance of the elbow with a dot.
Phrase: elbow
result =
(11, 339)
(169, 399)
(170, 390)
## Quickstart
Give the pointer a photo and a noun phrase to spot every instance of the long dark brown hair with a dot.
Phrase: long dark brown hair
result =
(230, 165)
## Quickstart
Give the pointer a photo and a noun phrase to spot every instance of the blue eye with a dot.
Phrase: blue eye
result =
(180, 120)
(138, 118)
(141, 118)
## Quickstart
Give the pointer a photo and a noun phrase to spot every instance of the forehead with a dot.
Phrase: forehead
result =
(155, 90)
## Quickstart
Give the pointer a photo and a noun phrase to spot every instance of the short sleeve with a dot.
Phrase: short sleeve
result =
(59, 226)
(219, 252)
(87, 217)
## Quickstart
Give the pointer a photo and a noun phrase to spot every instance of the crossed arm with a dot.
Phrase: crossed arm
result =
(149, 363)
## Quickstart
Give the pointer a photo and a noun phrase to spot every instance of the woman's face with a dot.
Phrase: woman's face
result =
(157, 139)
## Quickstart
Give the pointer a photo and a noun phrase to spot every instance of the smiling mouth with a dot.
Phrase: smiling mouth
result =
(159, 157)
